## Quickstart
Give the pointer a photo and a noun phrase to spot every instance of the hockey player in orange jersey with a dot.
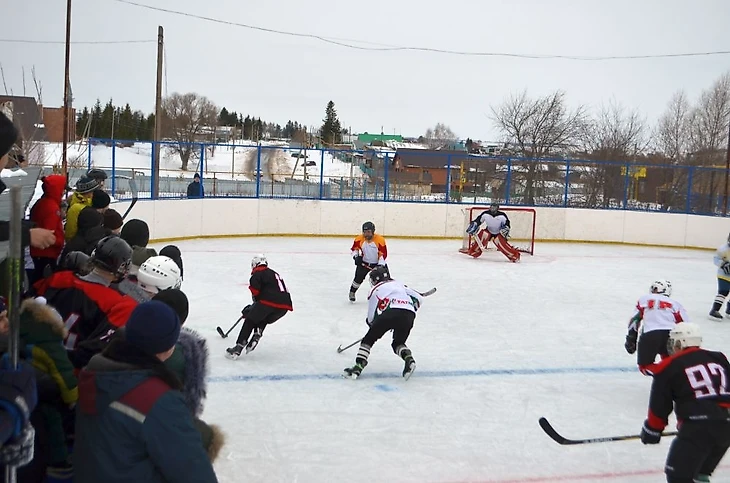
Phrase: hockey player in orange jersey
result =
(368, 251)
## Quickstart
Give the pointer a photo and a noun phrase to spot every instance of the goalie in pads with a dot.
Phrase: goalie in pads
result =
(496, 228)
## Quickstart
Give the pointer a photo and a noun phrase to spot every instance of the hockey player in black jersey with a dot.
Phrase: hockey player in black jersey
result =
(271, 301)
(693, 382)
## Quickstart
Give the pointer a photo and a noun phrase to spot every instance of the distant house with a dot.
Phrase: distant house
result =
(38, 123)
(441, 166)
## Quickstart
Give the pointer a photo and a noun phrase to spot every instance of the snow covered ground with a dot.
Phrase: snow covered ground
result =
(498, 346)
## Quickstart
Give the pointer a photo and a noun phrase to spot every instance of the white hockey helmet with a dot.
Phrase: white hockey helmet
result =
(259, 259)
(159, 273)
(663, 287)
(682, 336)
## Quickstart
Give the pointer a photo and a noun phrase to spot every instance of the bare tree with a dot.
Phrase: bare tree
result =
(186, 118)
(672, 139)
(615, 136)
(538, 128)
(441, 135)
(708, 138)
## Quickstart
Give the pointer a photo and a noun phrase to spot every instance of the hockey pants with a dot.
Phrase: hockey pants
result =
(400, 321)
(697, 450)
(651, 344)
(499, 241)
(258, 318)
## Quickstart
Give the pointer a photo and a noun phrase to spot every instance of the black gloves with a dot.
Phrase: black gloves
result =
(649, 435)
(358, 260)
(630, 344)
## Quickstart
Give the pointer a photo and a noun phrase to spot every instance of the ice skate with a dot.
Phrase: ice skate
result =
(409, 368)
(715, 315)
(254, 340)
(352, 372)
(234, 352)
(352, 296)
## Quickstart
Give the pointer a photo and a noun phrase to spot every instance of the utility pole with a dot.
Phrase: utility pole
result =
(158, 114)
(66, 88)
(727, 174)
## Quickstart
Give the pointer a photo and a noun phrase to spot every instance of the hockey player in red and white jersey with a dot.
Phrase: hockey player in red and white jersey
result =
(391, 306)
(656, 315)
(496, 228)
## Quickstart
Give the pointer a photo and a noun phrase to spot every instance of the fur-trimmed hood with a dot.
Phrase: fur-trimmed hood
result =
(194, 349)
(44, 313)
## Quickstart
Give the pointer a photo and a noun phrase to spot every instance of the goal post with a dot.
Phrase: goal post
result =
(522, 227)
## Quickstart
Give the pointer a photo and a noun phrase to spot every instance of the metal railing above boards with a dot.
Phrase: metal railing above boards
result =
(287, 170)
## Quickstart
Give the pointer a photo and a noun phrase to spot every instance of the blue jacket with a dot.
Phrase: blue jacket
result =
(131, 426)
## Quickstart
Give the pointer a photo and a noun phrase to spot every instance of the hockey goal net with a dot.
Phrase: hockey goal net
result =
(522, 227)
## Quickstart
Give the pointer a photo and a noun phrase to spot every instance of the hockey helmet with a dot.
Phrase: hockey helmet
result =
(682, 336)
(97, 174)
(113, 255)
(379, 274)
(368, 226)
(259, 259)
(494, 207)
(159, 273)
(663, 287)
(76, 261)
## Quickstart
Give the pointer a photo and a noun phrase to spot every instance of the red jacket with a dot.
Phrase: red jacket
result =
(46, 213)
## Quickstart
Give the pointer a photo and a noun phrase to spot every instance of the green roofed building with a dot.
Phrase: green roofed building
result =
(366, 138)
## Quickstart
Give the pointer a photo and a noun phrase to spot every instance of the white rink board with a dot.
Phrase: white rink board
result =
(240, 216)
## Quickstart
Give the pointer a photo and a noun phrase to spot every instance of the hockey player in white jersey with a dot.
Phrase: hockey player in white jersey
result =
(391, 306)
(656, 315)
(722, 261)
(496, 228)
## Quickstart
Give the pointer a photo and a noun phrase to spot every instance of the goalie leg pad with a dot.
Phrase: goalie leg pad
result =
(508, 250)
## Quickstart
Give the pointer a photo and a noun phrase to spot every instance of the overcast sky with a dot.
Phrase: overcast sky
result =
(279, 77)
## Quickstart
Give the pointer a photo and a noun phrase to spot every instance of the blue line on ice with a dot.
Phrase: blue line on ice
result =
(395, 374)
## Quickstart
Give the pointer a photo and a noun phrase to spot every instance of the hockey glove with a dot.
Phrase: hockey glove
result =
(358, 260)
(416, 303)
(725, 267)
(505, 231)
(367, 321)
(246, 310)
(649, 435)
(630, 344)
(473, 228)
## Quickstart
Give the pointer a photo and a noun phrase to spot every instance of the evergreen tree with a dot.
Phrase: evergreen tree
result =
(82, 122)
(96, 120)
(331, 131)
(247, 127)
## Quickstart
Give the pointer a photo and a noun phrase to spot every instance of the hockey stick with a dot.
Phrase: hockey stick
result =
(427, 292)
(135, 195)
(225, 334)
(550, 431)
(341, 349)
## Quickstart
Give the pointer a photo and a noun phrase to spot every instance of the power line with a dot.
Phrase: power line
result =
(87, 42)
(348, 43)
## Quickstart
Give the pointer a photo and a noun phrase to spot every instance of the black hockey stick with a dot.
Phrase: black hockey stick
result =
(550, 431)
(135, 195)
(225, 334)
(341, 349)
(427, 292)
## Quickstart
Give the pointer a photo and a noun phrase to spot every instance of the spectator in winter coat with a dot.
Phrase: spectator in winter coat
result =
(46, 213)
(90, 231)
(132, 423)
(195, 189)
(81, 198)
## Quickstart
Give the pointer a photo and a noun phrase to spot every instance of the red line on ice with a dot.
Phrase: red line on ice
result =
(576, 477)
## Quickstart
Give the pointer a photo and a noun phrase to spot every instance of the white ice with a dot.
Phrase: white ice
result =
(498, 346)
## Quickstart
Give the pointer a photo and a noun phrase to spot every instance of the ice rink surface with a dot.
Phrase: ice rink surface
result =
(498, 346)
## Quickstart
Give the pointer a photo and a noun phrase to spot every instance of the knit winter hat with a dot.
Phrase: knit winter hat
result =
(89, 218)
(173, 252)
(112, 219)
(86, 185)
(175, 298)
(136, 233)
(140, 255)
(100, 200)
(153, 327)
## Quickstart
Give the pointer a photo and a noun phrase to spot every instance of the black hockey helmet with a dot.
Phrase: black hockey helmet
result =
(112, 254)
(97, 174)
(368, 225)
(379, 274)
(494, 207)
(76, 261)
